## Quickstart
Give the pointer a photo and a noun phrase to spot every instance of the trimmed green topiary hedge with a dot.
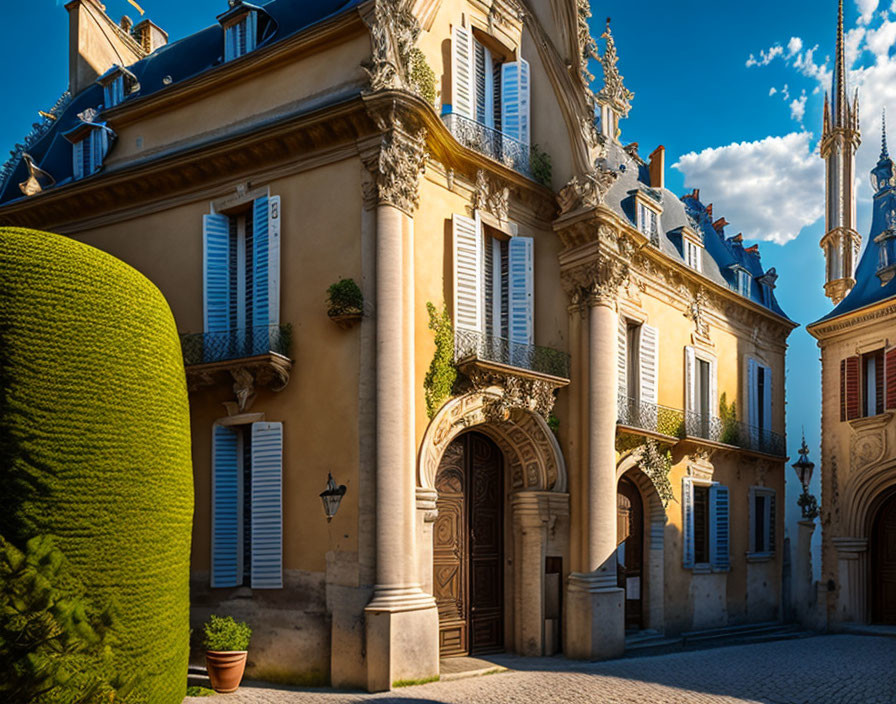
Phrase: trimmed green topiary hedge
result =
(95, 441)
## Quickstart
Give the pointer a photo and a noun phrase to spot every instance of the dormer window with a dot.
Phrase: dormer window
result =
(117, 83)
(647, 217)
(240, 35)
(742, 280)
(768, 282)
(90, 144)
(886, 243)
(692, 244)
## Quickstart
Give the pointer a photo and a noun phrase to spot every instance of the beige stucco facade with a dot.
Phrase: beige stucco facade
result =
(370, 180)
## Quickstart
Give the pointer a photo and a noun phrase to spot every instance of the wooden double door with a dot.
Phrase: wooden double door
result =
(883, 565)
(468, 547)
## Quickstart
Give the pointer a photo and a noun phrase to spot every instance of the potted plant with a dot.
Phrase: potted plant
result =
(226, 644)
(345, 302)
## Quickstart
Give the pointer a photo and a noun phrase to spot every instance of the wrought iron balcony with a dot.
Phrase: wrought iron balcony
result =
(686, 424)
(485, 140)
(210, 347)
(470, 345)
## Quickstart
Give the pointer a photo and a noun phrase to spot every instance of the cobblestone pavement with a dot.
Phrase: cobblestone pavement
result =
(841, 669)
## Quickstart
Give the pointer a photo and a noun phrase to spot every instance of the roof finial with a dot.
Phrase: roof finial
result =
(883, 136)
(839, 92)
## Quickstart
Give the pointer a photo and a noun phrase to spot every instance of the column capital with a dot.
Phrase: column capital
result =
(596, 283)
(395, 164)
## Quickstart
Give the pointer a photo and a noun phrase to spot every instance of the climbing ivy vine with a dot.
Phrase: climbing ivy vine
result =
(441, 377)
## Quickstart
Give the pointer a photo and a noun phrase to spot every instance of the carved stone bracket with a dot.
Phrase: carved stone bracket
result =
(393, 34)
(696, 312)
(517, 391)
(492, 196)
(247, 376)
(586, 191)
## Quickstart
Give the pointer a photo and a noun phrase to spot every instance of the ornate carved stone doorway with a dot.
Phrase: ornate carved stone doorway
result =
(883, 565)
(468, 547)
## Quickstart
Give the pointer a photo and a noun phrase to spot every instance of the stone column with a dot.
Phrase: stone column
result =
(401, 620)
(529, 539)
(595, 618)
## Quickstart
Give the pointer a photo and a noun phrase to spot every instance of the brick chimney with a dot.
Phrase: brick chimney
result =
(96, 44)
(658, 167)
(150, 36)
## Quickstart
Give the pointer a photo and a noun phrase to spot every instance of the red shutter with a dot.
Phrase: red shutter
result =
(849, 388)
(891, 379)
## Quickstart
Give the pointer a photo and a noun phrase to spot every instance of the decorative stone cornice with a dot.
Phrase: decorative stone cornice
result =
(393, 34)
(271, 371)
(852, 320)
(396, 168)
(533, 393)
(586, 191)
(491, 195)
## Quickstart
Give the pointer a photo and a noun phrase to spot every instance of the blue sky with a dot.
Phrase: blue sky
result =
(733, 91)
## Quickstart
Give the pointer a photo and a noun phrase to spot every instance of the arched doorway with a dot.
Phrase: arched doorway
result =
(468, 547)
(883, 564)
(630, 551)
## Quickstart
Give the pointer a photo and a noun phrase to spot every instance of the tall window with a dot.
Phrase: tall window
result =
(247, 514)
(743, 282)
(241, 279)
(89, 152)
(705, 507)
(762, 520)
(759, 395)
(113, 91)
(648, 221)
(701, 392)
(873, 383)
(693, 255)
(637, 364)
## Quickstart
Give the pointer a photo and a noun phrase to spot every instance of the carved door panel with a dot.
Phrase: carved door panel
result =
(467, 547)
(884, 565)
(630, 550)
(486, 593)
(450, 551)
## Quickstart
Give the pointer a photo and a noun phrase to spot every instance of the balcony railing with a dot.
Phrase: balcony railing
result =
(488, 348)
(679, 424)
(497, 145)
(203, 348)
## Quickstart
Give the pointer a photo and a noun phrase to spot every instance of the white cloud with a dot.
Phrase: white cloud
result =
(769, 189)
(772, 91)
(794, 46)
(766, 56)
(798, 108)
(881, 39)
(867, 8)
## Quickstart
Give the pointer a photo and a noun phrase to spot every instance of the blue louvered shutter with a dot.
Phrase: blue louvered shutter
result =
(251, 32)
(767, 401)
(265, 271)
(521, 287)
(719, 538)
(772, 517)
(687, 511)
(99, 145)
(227, 504)
(515, 105)
(216, 272)
(78, 159)
(231, 42)
(267, 506)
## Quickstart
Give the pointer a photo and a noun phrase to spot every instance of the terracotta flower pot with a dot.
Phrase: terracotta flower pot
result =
(225, 669)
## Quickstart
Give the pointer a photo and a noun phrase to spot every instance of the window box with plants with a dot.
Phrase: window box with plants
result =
(345, 303)
(226, 648)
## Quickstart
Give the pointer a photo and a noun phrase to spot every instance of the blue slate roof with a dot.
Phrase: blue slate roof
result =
(868, 289)
(722, 255)
(179, 61)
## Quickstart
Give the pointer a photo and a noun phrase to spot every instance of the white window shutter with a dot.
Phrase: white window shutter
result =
(227, 509)
(515, 100)
(216, 272)
(267, 506)
(467, 274)
(753, 391)
(622, 358)
(462, 70)
(648, 355)
(687, 510)
(767, 401)
(690, 365)
(251, 31)
(522, 290)
(719, 551)
(231, 41)
(78, 159)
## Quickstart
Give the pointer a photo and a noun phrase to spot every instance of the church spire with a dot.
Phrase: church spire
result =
(614, 99)
(839, 142)
(884, 154)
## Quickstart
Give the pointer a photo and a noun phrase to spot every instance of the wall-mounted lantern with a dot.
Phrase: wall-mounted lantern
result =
(332, 497)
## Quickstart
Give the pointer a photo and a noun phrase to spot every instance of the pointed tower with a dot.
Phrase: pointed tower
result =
(614, 100)
(840, 141)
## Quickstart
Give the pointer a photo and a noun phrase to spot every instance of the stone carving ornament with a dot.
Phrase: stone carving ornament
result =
(491, 196)
(867, 449)
(587, 191)
(614, 91)
(393, 34)
(397, 168)
(533, 395)
(696, 312)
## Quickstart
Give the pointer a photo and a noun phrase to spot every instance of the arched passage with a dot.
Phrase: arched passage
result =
(534, 508)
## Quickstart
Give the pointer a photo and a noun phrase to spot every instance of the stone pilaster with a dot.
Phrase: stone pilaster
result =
(852, 559)
(401, 620)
